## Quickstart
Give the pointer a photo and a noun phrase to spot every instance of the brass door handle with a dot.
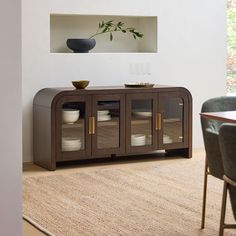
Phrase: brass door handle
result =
(91, 125)
(158, 121)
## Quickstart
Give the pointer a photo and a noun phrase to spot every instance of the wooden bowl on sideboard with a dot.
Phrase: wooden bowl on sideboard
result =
(80, 84)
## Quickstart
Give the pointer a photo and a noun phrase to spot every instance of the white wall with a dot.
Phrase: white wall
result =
(191, 51)
(10, 118)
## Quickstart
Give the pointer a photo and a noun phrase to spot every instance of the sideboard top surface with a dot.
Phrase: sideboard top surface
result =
(48, 96)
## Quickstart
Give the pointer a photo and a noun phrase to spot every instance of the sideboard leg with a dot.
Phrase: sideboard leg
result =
(184, 152)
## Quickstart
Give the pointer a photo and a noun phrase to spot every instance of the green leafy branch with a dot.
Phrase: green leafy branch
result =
(111, 27)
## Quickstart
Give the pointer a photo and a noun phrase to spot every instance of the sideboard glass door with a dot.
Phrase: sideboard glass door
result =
(108, 131)
(74, 141)
(73, 126)
(141, 135)
(173, 112)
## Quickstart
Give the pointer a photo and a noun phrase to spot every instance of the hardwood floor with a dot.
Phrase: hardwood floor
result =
(30, 169)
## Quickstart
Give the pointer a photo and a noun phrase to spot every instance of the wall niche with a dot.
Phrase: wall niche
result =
(63, 26)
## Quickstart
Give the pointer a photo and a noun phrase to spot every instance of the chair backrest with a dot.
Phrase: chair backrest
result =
(227, 139)
(210, 130)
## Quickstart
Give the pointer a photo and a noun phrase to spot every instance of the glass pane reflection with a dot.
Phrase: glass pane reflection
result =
(173, 120)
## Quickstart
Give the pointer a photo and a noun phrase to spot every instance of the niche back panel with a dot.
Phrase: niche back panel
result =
(64, 26)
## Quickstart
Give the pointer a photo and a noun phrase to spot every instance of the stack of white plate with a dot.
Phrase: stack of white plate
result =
(71, 144)
(167, 139)
(103, 115)
(138, 139)
(70, 116)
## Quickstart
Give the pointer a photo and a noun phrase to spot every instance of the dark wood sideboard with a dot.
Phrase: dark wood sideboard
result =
(113, 121)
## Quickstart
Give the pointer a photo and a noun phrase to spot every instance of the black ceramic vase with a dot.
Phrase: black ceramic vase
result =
(81, 45)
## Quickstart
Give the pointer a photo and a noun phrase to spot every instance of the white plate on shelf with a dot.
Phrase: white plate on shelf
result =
(143, 113)
(138, 139)
(138, 144)
(71, 144)
(170, 120)
(167, 139)
(70, 140)
(70, 148)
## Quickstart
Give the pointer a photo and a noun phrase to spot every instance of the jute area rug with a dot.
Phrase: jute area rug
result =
(156, 197)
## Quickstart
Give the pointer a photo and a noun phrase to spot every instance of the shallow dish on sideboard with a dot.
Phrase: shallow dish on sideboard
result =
(139, 85)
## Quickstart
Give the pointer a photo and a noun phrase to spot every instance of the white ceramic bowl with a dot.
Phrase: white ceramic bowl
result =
(104, 117)
(103, 112)
(70, 116)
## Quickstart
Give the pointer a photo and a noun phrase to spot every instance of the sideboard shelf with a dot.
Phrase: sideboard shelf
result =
(166, 125)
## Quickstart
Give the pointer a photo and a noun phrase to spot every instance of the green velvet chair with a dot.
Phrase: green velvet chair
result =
(227, 140)
(210, 130)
